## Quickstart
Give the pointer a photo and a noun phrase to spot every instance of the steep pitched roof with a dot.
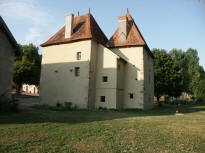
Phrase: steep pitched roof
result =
(9, 35)
(85, 27)
(134, 37)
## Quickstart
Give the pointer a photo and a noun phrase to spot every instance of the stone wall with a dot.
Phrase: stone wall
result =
(6, 64)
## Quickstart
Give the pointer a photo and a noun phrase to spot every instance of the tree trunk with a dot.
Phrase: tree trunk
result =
(159, 104)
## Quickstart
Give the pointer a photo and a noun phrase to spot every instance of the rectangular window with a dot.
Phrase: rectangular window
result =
(104, 79)
(78, 55)
(102, 98)
(131, 95)
(77, 71)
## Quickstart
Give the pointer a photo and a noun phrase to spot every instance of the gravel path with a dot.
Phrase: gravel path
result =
(27, 102)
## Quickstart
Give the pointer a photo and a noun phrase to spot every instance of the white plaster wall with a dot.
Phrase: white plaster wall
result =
(134, 76)
(120, 82)
(106, 66)
(110, 98)
(6, 65)
(32, 89)
(58, 80)
(149, 81)
(93, 71)
(59, 84)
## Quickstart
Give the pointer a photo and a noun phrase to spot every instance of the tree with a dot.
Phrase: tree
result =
(179, 56)
(200, 1)
(27, 67)
(176, 80)
(193, 69)
(202, 73)
(31, 52)
(189, 63)
(200, 91)
(168, 77)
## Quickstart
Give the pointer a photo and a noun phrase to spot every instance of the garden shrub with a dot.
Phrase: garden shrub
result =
(58, 104)
(38, 88)
(68, 105)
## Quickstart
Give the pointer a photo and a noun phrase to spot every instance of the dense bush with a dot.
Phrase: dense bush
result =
(200, 92)
(38, 88)
(58, 107)
(58, 104)
(68, 105)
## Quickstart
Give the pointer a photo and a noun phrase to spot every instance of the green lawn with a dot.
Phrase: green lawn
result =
(158, 130)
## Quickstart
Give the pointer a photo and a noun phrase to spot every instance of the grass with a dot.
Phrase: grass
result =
(154, 131)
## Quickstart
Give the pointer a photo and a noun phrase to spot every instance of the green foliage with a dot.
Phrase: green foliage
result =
(38, 88)
(193, 69)
(202, 73)
(167, 75)
(58, 104)
(27, 67)
(200, 92)
(160, 84)
(68, 105)
(179, 57)
(189, 63)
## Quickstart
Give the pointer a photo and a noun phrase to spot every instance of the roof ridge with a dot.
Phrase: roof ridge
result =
(89, 21)
(134, 37)
(92, 19)
(10, 36)
(136, 27)
(85, 27)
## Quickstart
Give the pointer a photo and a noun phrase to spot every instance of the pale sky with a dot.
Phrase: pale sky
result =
(165, 24)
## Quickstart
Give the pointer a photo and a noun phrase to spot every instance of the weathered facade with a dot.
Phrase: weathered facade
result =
(8, 48)
(80, 65)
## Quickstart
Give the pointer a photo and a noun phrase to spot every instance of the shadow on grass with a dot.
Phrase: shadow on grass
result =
(86, 116)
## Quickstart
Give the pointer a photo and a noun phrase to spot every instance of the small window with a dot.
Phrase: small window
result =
(78, 55)
(131, 95)
(102, 98)
(77, 71)
(104, 79)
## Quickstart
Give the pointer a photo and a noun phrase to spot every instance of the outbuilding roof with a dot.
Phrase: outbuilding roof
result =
(85, 27)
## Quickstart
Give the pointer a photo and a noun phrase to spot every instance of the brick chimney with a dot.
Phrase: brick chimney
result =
(69, 25)
(122, 29)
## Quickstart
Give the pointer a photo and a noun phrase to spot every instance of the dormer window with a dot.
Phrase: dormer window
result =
(78, 55)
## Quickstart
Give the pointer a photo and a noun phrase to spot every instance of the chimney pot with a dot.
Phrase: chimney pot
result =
(122, 29)
(69, 25)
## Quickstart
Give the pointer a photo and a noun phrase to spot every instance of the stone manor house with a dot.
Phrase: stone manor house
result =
(80, 65)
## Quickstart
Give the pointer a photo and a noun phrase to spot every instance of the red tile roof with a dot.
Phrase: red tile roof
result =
(85, 27)
(134, 37)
